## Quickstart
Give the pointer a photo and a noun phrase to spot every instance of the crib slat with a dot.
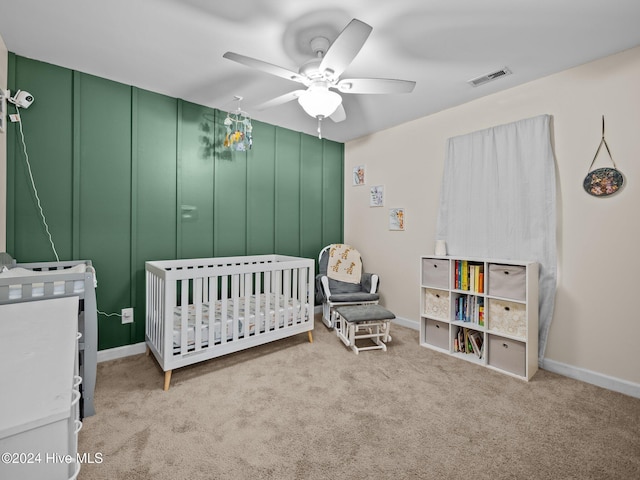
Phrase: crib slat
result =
(267, 301)
(184, 316)
(286, 310)
(235, 293)
(212, 299)
(257, 307)
(197, 301)
(249, 324)
(224, 293)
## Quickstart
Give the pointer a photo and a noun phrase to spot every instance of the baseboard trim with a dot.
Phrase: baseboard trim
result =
(594, 378)
(405, 322)
(121, 352)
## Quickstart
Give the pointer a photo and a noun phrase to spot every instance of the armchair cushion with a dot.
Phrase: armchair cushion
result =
(354, 297)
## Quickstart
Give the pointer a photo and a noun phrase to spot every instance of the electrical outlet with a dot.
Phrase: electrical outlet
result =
(127, 315)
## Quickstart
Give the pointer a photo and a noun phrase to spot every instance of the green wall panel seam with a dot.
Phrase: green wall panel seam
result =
(216, 118)
(275, 196)
(179, 120)
(300, 196)
(12, 138)
(134, 197)
(76, 163)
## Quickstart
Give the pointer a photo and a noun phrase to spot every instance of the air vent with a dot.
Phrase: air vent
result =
(474, 82)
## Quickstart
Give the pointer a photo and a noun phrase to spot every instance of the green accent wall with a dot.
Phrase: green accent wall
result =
(126, 175)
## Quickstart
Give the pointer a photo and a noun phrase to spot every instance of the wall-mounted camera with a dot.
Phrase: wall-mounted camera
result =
(22, 99)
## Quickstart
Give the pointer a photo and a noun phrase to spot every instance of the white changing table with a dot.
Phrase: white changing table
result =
(39, 414)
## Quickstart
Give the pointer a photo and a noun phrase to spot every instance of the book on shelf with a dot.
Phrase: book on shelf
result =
(465, 275)
(461, 341)
(468, 341)
(468, 276)
(476, 343)
(469, 308)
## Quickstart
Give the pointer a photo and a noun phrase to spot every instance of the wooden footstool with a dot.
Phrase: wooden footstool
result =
(373, 320)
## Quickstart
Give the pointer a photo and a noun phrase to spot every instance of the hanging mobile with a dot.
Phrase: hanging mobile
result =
(603, 181)
(239, 129)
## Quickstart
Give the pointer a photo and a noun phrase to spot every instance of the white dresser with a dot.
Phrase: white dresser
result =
(39, 403)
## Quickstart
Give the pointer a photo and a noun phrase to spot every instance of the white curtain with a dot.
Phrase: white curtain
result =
(498, 200)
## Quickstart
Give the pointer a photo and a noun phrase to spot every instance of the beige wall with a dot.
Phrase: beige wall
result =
(4, 56)
(596, 326)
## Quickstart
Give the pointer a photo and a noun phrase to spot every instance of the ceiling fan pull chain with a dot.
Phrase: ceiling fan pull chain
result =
(320, 127)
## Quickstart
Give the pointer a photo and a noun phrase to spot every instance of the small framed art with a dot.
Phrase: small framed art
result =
(376, 198)
(396, 219)
(358, 175)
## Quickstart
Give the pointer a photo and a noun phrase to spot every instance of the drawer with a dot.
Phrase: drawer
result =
(508, 317)
(435, 272)
(437, 334)
(508, 355)
(436, 303)
(507, 281)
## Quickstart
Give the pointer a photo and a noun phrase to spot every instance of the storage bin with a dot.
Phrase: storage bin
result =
(435, 273)
(508, 355)
(437, 334)
(507, 281)
(436, 303)
(507, 317)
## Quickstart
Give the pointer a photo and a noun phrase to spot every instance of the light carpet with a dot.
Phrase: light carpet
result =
(298, 410)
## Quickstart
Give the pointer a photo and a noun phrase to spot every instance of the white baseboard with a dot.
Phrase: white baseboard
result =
(120, 352)
(405, 322)
(587, 376)
(594, 378)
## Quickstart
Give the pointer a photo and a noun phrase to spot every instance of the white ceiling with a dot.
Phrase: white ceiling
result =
(175, 47)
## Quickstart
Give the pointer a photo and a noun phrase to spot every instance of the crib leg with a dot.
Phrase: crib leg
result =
(310, 336)
(148, 351)
(167, 379)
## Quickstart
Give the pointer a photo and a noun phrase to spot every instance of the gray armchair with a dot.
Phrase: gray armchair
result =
(332, 293)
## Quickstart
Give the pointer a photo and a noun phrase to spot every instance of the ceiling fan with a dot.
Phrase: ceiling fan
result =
(322, 73)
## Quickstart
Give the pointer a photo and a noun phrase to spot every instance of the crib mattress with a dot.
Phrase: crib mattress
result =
(37, 288)
(290, 309)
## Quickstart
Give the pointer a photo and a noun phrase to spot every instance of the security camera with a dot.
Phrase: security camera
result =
(22, 99)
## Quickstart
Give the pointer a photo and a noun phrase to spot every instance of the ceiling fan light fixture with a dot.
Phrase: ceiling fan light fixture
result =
(319, 101)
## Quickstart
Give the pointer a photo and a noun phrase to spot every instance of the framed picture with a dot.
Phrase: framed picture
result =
(376, 198)
(358, 175)
(396, 219)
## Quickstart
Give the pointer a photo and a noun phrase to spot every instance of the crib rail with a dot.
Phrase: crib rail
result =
(214, 306)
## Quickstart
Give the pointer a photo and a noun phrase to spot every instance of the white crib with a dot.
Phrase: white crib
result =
(198, 309)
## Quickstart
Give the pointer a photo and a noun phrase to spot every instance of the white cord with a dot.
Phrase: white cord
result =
(33, 184)
(109, 314)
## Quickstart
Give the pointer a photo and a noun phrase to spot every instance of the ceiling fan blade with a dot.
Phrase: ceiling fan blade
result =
(345, 48)
(339, 115)
(265, 67)
(375, 85)
(287, 97)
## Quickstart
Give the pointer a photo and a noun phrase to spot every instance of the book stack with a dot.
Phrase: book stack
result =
(469, 341)
(469, 276)
(469, 308)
